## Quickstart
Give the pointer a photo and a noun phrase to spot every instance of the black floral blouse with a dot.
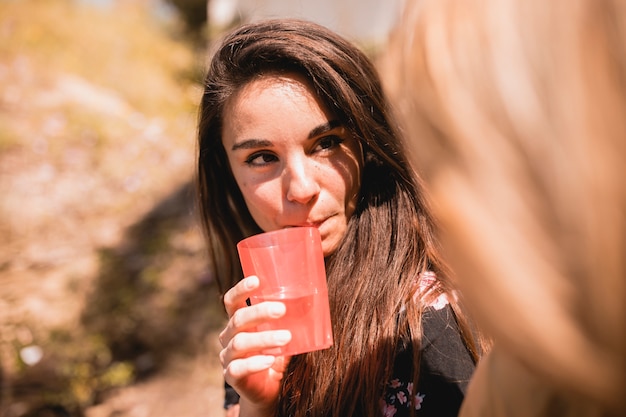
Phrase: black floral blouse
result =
(445, 369)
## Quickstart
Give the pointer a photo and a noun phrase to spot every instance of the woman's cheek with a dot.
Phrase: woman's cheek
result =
(264, 208)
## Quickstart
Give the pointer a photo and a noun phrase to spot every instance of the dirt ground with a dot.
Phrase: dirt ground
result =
(59, 216)
(106, 306)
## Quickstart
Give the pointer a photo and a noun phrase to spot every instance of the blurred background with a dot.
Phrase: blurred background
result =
(106, 306)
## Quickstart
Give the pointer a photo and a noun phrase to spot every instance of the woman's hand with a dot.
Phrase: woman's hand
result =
(254, 375)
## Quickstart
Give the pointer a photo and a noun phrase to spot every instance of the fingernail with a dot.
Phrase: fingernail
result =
(267, 361)
(251, 282)
(282, 337)
(277, 310)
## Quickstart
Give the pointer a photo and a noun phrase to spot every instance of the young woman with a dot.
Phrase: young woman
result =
(294, 130)
(517, 110)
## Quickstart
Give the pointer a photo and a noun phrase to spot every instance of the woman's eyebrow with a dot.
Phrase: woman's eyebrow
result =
(252, 144)
(323, 128)
(263, 143)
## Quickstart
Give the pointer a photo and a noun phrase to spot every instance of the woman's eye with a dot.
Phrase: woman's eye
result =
(260, 159)
(329, 142)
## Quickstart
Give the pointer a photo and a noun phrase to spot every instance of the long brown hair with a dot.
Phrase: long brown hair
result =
(389, 241)
(517, 111)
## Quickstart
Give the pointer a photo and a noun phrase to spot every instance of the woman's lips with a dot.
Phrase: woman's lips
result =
(316, 224)
(307, 225)
(312, 223)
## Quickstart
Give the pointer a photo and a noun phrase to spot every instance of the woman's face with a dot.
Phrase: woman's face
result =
(294, 163)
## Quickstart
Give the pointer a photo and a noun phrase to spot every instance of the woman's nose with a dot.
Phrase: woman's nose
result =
(301, 182)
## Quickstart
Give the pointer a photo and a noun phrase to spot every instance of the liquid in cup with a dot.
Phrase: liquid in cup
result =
(290, 266)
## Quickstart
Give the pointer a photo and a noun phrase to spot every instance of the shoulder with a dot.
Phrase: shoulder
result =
(429, 291)
(445, 359)
(445, 369)
(446, 364)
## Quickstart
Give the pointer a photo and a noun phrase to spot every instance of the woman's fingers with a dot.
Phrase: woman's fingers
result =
(258, 376)
(243, 345)
(236, 297)
(241, 368)
(246, 358)
(248, 317)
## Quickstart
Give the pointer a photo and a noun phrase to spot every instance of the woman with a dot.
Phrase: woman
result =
(518, 111)
(294, 130)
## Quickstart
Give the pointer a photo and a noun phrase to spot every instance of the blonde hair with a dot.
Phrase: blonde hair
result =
(516, 111)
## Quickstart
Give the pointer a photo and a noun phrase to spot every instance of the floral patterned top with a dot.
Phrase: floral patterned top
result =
(445, 369)
(445, 366)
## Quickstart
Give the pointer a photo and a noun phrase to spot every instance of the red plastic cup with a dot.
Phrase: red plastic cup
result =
(290, 266)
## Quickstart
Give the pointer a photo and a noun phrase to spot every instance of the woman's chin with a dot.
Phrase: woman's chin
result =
(329, 247)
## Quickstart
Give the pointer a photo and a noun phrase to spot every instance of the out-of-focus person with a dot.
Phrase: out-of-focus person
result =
(516, 110)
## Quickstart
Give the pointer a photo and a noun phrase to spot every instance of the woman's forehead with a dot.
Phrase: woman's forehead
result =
(275, 90)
